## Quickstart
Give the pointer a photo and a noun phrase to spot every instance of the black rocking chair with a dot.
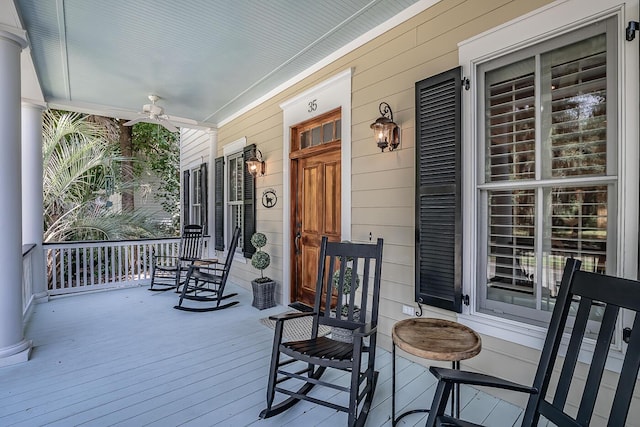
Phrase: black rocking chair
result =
(166, 270)
(581, 290)
(354, 352)
(205, 283)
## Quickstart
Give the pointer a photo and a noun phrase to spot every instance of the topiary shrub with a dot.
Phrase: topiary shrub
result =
(260, 258)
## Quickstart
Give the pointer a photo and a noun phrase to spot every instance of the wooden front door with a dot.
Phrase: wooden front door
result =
(316, 173)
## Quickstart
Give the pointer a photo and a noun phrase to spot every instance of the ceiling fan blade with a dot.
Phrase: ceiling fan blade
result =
(168, 125)
(134, 121)
(177, 119)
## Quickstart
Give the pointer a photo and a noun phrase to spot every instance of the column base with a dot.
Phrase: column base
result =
(16, 353)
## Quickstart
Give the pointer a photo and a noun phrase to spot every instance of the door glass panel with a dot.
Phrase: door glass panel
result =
(305, 139)
(327, 132)
(316, 136)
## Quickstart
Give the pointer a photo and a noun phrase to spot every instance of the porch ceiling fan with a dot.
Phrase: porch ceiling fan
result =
(153, 113)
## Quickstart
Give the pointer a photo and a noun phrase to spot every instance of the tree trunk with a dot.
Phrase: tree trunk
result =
(126, 149)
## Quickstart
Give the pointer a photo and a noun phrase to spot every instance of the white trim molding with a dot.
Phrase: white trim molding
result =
(557, 18)
(333, 93)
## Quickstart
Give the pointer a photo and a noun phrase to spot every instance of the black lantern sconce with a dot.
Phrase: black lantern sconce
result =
(385, 130)
(255, 164)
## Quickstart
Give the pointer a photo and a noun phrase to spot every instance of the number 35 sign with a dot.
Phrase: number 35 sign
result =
(313, 106)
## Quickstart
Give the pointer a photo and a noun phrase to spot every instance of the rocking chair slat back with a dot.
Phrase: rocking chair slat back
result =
(587, 306)
(191, 242)
(347, 276)
(608, 295)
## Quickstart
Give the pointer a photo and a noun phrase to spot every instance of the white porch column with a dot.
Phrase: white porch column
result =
(32, 216)
(13, 347)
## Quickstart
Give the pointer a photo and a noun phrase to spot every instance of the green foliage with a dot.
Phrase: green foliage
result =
(78, 169)
(258, 240)
(159, 151)
(260, 259)
(345, 286)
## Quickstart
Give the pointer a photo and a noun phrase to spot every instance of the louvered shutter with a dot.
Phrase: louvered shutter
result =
(218, 200)
(249, 211)
(185, 197)
(438, 191)
(203, 197)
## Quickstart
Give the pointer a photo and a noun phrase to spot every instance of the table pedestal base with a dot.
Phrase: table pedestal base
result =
(455, 394)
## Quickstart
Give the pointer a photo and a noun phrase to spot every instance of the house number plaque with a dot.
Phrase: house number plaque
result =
(269, 198)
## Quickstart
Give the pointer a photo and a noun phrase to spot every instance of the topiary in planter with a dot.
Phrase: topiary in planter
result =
(260, 258)
(263, 287)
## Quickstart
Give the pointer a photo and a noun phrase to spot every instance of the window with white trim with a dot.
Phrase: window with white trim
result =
(195, 208)
(547, 184)
(235, 195)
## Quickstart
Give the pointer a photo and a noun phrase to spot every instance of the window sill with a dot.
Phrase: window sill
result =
(533, 337)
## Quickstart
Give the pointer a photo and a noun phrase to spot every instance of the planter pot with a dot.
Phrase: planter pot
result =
(263, 294)
(341, 334)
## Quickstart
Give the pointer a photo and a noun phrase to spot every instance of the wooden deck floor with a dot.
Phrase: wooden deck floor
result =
(127, 358)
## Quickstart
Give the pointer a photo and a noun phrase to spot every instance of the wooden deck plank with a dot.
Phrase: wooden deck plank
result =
(127, 358)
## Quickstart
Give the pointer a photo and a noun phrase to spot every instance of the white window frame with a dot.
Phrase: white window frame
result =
(231, 149)
(195, 193)
(543, 24)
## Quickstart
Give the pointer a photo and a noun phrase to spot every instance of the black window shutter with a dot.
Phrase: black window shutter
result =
(218, 198)
(249, 219)
(185, 197)
(203, 197)
(438, 191)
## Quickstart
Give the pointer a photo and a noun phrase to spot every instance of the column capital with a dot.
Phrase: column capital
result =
(15, 35)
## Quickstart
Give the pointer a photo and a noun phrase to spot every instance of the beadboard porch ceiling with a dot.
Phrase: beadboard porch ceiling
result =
(207, 59)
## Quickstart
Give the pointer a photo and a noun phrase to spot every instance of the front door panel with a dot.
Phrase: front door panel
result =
(317, 214)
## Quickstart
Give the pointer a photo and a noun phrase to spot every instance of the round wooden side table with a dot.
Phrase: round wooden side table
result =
(434, 339)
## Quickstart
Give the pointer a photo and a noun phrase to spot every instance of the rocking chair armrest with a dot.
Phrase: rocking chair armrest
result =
(365, 330)
(473, 378)
(206, 268)
(286, 316)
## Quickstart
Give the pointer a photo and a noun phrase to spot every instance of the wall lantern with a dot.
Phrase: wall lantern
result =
(255, 164)
(385, 131)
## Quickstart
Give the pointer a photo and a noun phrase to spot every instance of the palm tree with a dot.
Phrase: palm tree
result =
(79, 162)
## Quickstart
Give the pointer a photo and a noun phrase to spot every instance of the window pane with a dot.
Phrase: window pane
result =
(510, 122)
(578, 126)
(236, 176)
(236, 221)
(327, 132)
(315, 136)
(511, 261)
(305, 139)
(195, 187)
(578, 225)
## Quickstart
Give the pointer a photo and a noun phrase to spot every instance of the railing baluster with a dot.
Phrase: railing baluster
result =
(119, 278)
(69, 261)
(91, 266)
(84, 267)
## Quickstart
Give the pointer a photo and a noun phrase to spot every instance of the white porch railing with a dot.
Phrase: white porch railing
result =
(85, 266)
(27, 276)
